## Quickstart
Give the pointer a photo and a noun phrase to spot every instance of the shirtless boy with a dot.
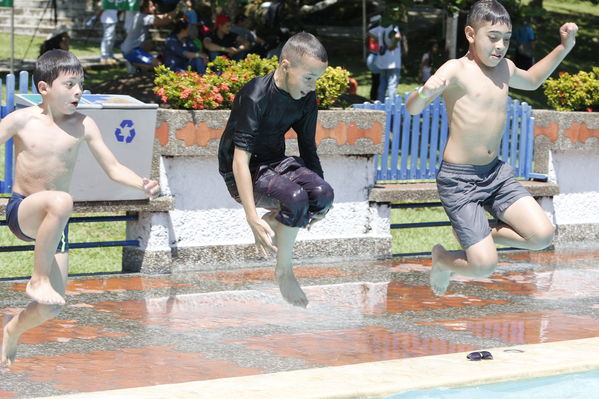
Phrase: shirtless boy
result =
(471, 179)
(47, 138)
(252, 155)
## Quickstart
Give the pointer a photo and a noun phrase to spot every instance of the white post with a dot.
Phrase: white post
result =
(12, 39)
(363, 29)
(451, 35)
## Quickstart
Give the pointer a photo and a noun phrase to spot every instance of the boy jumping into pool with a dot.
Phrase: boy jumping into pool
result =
(252, 157)
(47, 138)
(471, 179)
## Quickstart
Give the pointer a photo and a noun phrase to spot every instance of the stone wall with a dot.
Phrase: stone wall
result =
(567, 150)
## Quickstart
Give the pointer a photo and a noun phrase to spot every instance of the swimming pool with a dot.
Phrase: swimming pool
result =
(579, 385)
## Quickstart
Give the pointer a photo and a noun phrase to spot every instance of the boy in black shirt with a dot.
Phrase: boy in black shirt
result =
(252, 155)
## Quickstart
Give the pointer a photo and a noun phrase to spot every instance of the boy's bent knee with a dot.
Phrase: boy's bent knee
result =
(294, 209)
(60, 204)
(322, 197)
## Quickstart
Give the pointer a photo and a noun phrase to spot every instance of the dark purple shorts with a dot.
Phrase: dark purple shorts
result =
(297, 192)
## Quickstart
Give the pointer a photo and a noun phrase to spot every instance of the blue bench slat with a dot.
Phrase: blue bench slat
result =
(395, 139)
(413, 153)
(424, 144)
(434, 140)
(405, 143)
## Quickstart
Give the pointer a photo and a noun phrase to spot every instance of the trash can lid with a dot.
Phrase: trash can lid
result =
(90, 101)
(115, 101)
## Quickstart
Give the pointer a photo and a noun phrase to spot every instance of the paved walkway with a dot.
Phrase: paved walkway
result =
(127, 331)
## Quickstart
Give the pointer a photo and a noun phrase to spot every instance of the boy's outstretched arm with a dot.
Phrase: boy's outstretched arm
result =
(111, 166)
(434, 86)
(243, 179)
(534, 77)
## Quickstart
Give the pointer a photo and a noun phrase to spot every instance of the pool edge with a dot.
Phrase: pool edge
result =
(383, 378)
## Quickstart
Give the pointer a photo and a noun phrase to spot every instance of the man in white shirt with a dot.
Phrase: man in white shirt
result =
(138, 43)
(388, 61)
(109, 19)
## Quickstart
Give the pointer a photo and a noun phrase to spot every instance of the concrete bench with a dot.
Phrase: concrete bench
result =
(427, 192)
(132, 208)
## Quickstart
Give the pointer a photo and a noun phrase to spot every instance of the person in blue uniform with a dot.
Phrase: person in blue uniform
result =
(252, 156)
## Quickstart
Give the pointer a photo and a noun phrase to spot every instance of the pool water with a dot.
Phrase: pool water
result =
(566, 386)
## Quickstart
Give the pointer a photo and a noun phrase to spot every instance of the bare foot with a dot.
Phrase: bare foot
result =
(269, 218)
(439, 275)
(41, 291)
(9, 345)
(291, 290)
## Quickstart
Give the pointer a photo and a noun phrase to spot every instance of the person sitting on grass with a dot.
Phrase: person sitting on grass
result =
(181, 53)
(137, 45)
(47, 138)
(223, 42)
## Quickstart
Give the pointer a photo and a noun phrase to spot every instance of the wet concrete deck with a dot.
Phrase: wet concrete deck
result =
(125, 331)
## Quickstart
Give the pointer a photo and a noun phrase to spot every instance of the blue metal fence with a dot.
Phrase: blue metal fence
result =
(413, 144)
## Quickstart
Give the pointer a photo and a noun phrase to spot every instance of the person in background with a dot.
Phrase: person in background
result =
(373, 47)
(242, 28)
(524, 42)
(180, 52)
(59, 39)
(224, 42)
(138, 43)
(427, 62)
(109, 19)
(389, 59)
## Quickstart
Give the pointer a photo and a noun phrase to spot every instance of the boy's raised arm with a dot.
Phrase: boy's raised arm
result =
(539, 72)
(111, 166)
(434, 86)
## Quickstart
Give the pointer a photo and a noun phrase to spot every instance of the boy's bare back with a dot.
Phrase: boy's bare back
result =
(45, 149)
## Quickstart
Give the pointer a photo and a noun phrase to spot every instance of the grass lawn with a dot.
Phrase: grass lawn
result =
(27, 47)
(88, 260)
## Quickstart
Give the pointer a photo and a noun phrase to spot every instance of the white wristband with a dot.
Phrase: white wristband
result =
(422, 96)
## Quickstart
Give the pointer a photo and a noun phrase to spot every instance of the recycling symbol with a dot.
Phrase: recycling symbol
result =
(125, 132)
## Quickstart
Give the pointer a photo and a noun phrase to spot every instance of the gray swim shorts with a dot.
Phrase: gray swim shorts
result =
(467, 191)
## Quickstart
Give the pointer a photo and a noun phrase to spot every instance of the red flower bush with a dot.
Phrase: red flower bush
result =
(217, 88)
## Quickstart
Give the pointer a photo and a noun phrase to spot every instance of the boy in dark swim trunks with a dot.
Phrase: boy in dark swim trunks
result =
(47, 138)
(471, 179)
(252, 155)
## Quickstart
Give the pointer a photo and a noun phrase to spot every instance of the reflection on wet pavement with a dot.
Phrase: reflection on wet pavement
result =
(144, 330)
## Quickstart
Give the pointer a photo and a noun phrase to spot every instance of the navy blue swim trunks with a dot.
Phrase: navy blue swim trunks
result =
(467, 191)
(12, 220)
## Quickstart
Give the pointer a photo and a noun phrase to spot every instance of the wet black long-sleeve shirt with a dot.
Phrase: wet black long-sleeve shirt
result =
(261, 115)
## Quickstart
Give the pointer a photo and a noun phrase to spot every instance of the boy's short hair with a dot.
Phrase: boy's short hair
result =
(50, 64)
(301, 44)
(488, 10)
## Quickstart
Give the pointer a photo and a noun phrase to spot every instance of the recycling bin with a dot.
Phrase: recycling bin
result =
(127, 126)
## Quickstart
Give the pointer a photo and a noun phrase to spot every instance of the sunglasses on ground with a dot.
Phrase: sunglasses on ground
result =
(480, 356)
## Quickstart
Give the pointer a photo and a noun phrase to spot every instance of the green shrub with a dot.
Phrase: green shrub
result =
(217, 88)
(333, 83)
(579, 92)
